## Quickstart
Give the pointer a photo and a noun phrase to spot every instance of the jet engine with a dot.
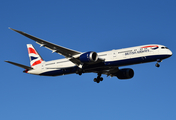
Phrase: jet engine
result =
(89, 57)
(126, 73)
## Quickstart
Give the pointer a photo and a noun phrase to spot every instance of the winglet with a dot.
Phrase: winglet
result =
(16, 30)
(11, 28)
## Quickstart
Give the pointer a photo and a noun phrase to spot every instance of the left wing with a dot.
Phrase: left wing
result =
(55, 48)
(68, 53)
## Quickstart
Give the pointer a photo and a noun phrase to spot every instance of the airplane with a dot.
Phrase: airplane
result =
(106, 63)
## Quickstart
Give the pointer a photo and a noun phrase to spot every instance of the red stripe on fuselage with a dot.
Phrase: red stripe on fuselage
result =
(37, 62)
(31, 50)
(150, 46)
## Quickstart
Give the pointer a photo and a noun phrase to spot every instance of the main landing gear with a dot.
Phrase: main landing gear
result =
(158, 61)
(98, 79)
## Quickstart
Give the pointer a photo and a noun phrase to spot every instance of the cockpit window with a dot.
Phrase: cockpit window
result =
(164, 48)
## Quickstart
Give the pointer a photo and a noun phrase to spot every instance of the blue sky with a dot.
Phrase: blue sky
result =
(96, 25)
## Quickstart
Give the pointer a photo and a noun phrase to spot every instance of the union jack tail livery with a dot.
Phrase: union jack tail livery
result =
(34, 57)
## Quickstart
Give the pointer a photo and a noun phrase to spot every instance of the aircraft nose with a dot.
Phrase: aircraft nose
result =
(170, 52)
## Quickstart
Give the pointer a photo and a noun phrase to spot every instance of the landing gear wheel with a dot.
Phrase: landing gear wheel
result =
(98, 79)
(95, 80)
(157, 65)
(101, 79)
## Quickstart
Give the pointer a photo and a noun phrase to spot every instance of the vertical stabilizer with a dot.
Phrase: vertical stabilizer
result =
(35, 58)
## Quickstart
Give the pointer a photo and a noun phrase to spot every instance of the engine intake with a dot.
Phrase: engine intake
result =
(126, 73)
(89, 57)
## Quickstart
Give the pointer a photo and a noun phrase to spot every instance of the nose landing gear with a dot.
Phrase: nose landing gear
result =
(98, 79)
(157, 65)
(158, 61)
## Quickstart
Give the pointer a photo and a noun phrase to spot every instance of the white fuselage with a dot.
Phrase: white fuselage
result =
(113, 58)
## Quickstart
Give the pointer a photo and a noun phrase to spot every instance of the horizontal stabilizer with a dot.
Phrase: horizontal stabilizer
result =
(20, 65)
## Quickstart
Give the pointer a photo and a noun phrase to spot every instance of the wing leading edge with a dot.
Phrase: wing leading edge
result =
(67, 53)
(55, 48)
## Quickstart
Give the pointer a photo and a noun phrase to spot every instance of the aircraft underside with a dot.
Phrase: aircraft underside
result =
(100, 68)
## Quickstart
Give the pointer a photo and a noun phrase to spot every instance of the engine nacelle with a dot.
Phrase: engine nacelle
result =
(89, 57)
(126, 73)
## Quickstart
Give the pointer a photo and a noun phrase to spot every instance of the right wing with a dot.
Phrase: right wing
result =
(111, 71)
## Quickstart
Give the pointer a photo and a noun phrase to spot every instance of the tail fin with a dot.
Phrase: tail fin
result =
(34, 57)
